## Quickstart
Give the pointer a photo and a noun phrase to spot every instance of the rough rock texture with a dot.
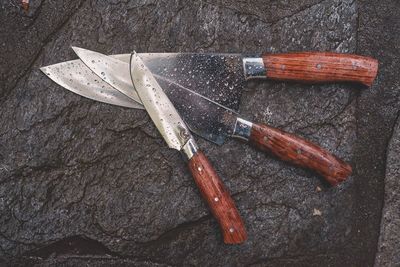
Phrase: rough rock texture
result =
(88, 183)
(389, 240)
(378, 113)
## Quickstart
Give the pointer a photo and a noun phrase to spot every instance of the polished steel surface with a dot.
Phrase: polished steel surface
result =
(158, 106)
(78, 78)
(218, 77)
(113, 71)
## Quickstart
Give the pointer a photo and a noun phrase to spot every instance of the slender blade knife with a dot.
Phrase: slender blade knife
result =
(177, 136)
(215, 122)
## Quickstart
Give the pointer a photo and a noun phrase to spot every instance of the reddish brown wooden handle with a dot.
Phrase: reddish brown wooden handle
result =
(317, 67)
(218, 198)
(301, 152)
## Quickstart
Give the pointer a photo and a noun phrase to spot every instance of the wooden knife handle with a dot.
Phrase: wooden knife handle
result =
(317, 67)
(291, 148)
(218, 198)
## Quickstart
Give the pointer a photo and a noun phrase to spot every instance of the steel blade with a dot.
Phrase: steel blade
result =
(106, 71)
(78, 78)
(218, 77)
(205, 118)
(158, 106)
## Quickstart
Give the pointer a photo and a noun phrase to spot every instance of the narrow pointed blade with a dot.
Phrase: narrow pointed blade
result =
(160, 109)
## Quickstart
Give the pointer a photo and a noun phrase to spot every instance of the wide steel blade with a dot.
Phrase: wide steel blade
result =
(158, 106)
(218, 77)
(205, 118)
(75, 76)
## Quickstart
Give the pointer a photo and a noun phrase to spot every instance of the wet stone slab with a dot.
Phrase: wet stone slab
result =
(83, 182)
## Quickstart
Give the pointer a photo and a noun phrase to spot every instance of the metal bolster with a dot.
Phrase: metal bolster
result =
(254, 67)
(242, 129)
(190, 148)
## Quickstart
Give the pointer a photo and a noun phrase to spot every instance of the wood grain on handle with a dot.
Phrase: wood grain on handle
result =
(300, 152)
(218, 198)
(321, 67)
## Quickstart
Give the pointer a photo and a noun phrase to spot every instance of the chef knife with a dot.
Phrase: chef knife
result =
(215, 122)
(177, 136)
(222, 77)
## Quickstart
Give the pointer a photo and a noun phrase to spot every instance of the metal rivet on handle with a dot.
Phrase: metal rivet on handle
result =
(184, 134)
(231, 230)
(216, 199)
(199, 169)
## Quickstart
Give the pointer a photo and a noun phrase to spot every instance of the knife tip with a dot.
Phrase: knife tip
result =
(77, 50)
(43, 69)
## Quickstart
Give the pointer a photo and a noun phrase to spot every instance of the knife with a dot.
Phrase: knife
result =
(177, 136)
(215, 122)
(222, 77)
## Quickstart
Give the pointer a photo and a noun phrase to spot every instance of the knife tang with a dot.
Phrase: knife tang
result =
(294, 149)
(313, 67)
(216, 195)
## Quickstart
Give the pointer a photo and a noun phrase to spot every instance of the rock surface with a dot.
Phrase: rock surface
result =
(83, 182)
(389, 240)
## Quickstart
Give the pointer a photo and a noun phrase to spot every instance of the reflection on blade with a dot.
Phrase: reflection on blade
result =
(78, 78)
(218, 77)
(111, 71)
(158, 106)
(205, 118)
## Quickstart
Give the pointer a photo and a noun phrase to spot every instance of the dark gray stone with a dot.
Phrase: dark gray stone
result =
(389, 240)
(377, 113)
(88, 183)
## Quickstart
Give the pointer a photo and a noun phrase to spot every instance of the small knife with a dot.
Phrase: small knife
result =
(177, 136)
(215, 122)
